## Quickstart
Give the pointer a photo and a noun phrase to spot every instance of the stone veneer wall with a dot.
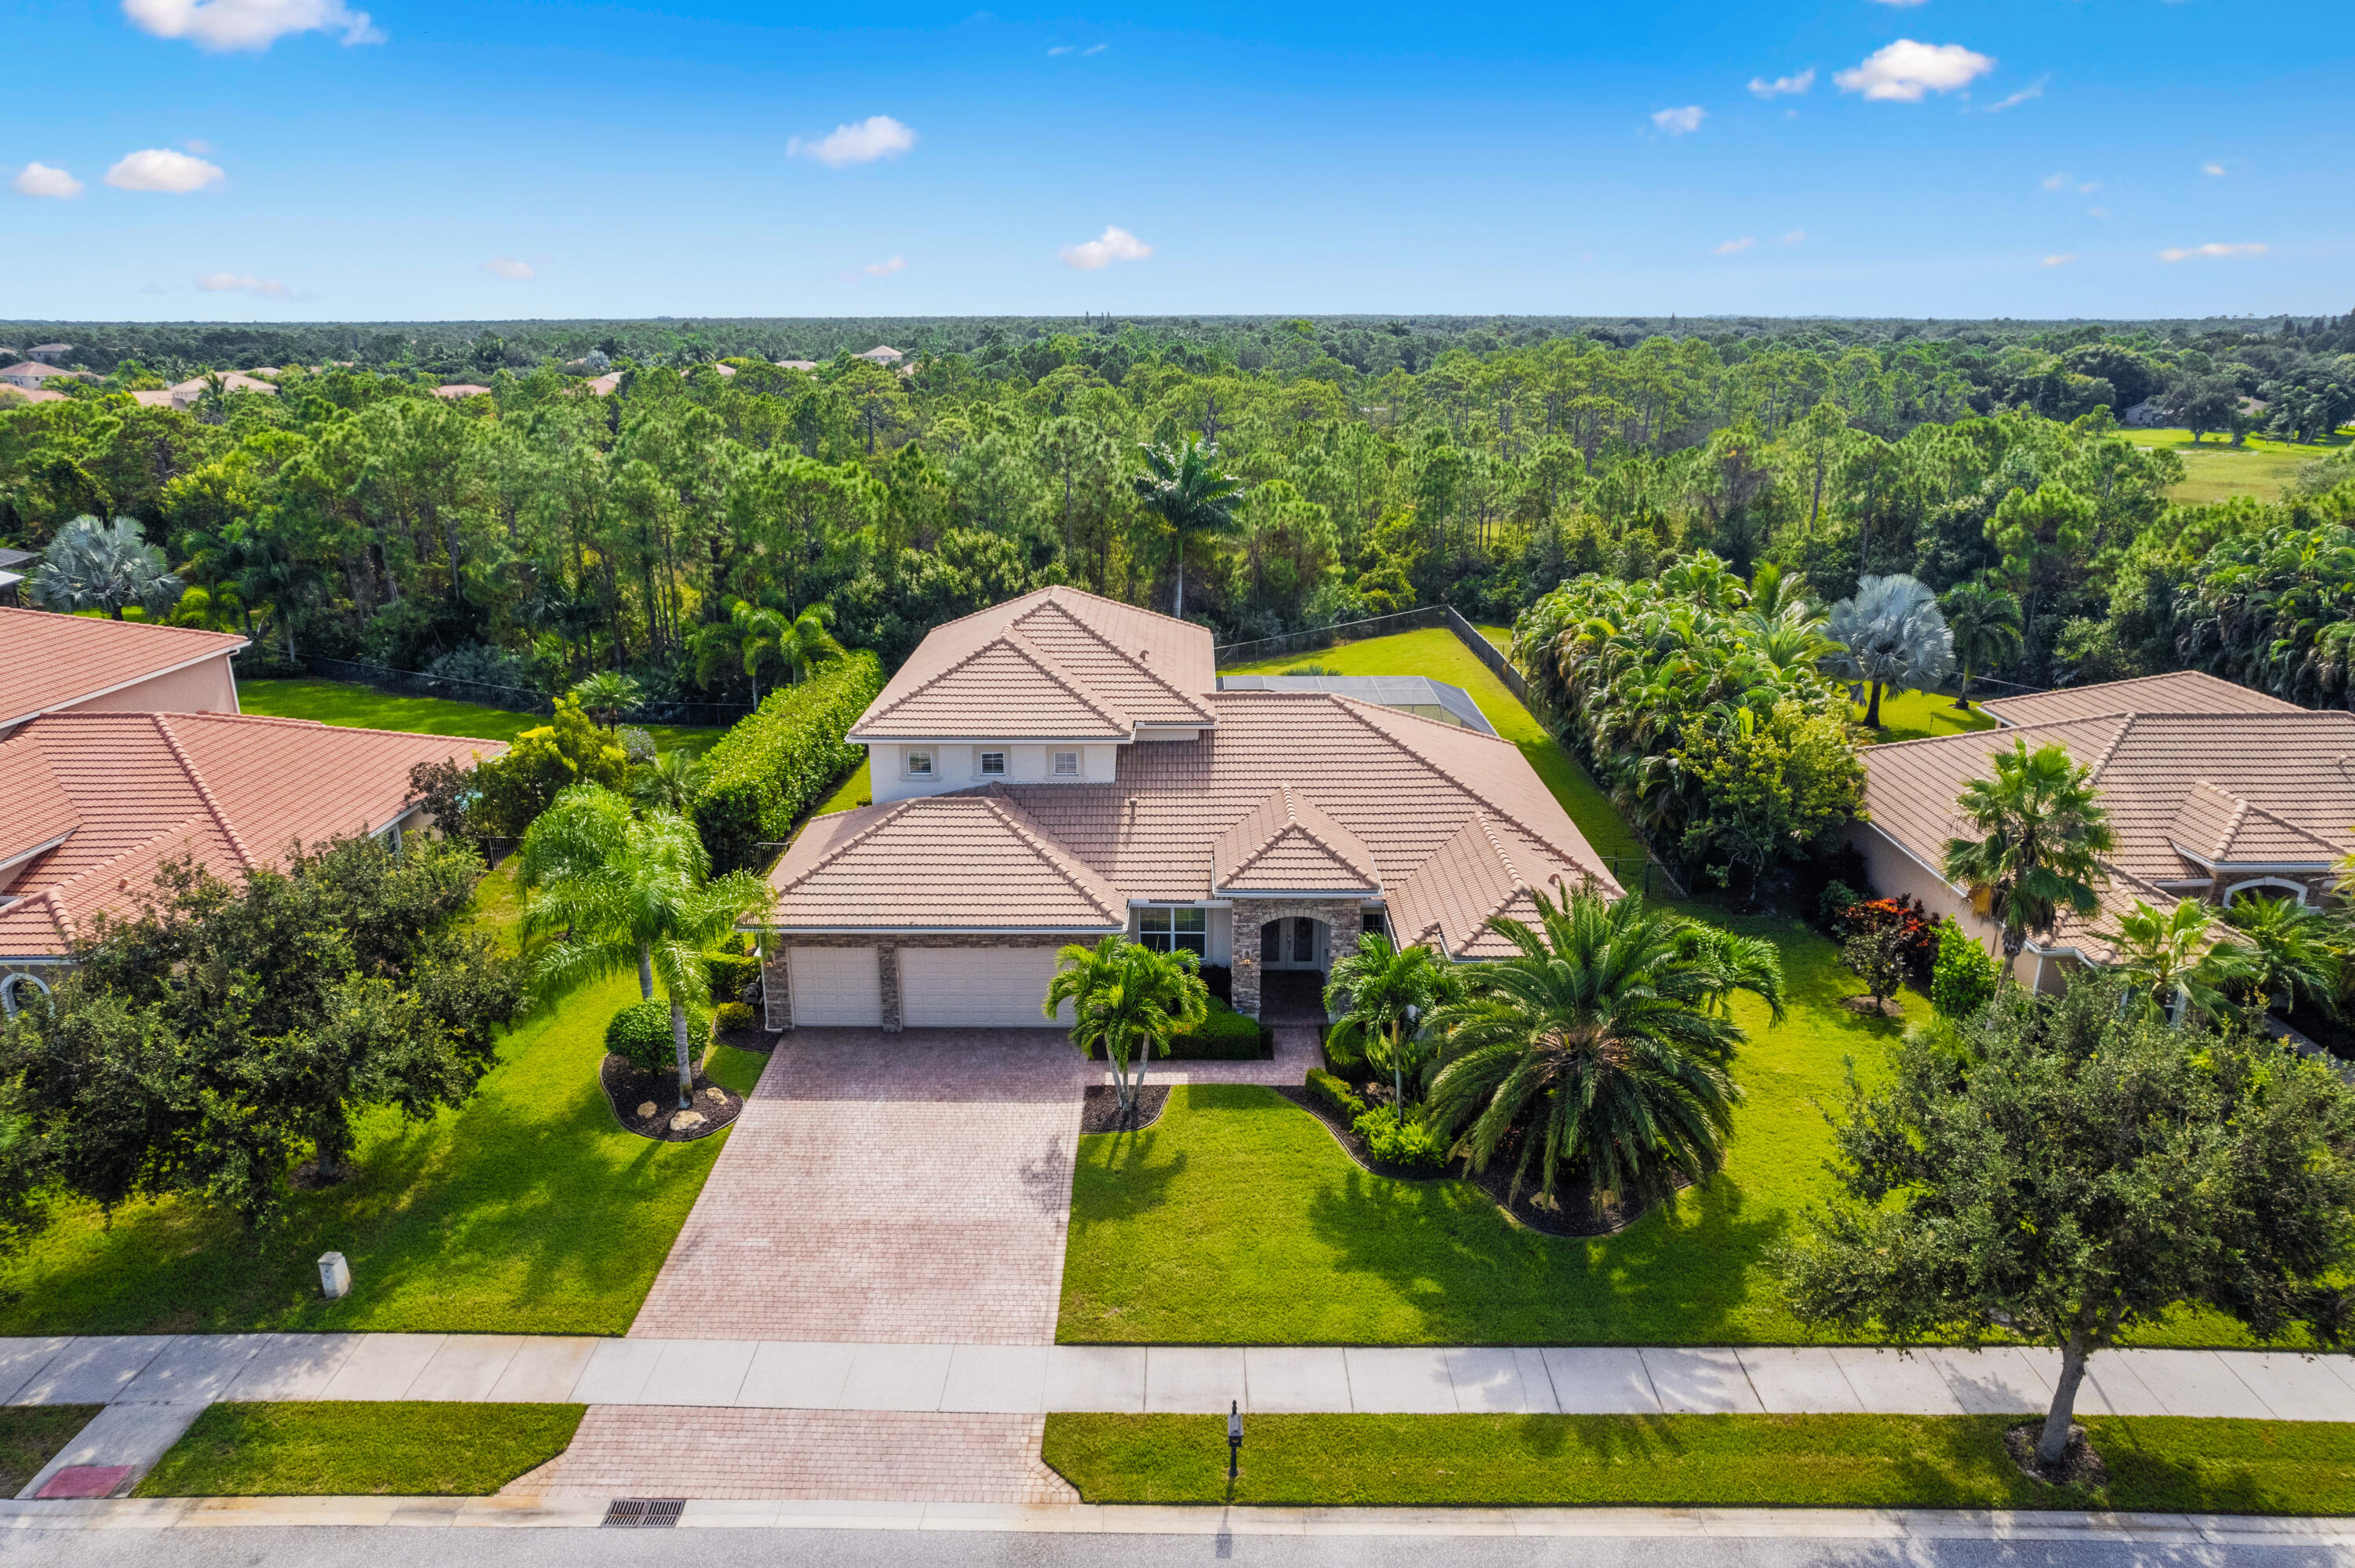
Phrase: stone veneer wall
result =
(776, 972)
(1344, 916)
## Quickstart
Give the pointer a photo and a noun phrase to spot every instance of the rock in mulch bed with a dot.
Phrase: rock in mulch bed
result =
(647, 1103)
(2080, 1465)
(1578, 1215)
(1101, 1110)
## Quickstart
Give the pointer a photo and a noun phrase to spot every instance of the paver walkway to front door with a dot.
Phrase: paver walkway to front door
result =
(911, 1188)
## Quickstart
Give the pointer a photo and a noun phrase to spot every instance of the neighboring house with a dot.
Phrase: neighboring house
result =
(28, 376)
(186, 393)
(159, 397)
(1417, 694)
(2213, 790)
(797, 365)
(30, 395)
(92, 804)
(605, 385)
(49, 351)
(462, 389)
(1063, 768)
(52, 663)
(883, 354)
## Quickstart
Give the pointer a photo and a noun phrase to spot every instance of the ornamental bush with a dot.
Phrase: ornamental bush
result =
(1965, 978)
(1410, 1142)
(767, 772)
(1917, 934)
(729, 974)
(1223, 1036)
(734, 1016)
(639, 1035)
(1336, 1092)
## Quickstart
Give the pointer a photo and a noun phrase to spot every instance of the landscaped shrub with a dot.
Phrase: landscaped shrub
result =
(1838, 900)
(729, 974)
(640, 1034)
(1336, 1092)
(733, 1016)
(778, 762)
(1395, 1142)
(1964, 978)
(1917, 934)
(1224, 1036)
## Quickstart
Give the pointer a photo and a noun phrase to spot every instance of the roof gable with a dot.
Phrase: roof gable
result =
(49, 661)
(1007, 688)
(1288, 845)
(882, 866)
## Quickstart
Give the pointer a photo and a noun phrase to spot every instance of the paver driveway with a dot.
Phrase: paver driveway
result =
(911, 1188)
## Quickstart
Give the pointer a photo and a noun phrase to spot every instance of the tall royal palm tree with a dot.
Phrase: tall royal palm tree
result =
(1984, 622)
(1384, 995)
(606, 695)
(1126, 998)
(92, 564)
(632, 893)
(1595, 1051)
(2043, 831)
(2171, 958)
(1185, 489)
(1893, 636)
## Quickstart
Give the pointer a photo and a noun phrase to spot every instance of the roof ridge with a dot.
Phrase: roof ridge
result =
(891, 811)
(1022, 647)
(2249, 807)
(204, 790)
(2126, 725)
(9, 610)
(1141, 667)
(1015, 818)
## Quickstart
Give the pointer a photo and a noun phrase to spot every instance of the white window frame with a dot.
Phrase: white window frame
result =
(1065, 763)
(1168, 938)
(915, 765)
(982, 765)
(9, 999)
(2266, 884)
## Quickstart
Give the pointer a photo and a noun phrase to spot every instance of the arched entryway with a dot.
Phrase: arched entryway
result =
(1283, 951)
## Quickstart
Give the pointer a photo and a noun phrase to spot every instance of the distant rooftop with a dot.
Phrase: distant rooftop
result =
(1417, 694)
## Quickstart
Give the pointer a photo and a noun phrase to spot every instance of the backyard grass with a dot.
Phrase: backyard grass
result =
(2216, 470)
(30, 1436)
(364, 707)
(1917, 715)
(854, 791)
(2160, 1465)
(396, 1449)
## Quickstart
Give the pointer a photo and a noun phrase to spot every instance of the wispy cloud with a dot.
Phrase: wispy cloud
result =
(1784, 86)
(1796, 237)
(1734, 247)
(243, 283)
(1094, 49)
(2062, 180)
(1114, 244)
(2059, 259)
(161, 169)
(2196, 252)
(2033, 90)
(2216, 169)
(249, 24)
(507, 267)
(877, 136)
(40, 180)
(885, 268)
(1907, 71)
(1680, 121)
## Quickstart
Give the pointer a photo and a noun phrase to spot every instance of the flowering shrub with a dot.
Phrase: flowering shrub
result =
(1917, 933)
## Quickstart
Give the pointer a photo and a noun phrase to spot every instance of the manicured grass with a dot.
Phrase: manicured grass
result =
(2216, 470)
(854, 791)
(1917, 715)
(1436, 652)
(527, 1211)
(364, 707)
(398, 1448)
(2157, 1464)
(30, 1436)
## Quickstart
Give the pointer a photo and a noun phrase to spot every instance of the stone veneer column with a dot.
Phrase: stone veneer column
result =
(886, 963)
(776, 985)
(1345, 918)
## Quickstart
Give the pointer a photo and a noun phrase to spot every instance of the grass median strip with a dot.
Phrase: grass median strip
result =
(2157, 1464)
(394, 1448)
(30, 1436)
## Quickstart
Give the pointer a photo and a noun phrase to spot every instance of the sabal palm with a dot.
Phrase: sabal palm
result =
(104, 565)
(607, 696)
(1383, 995)
(1597, 1048)
(632, 893)
(2043, 831)
(1985, 624)
(2289, 951)
(1185, 489)
(1126, 997)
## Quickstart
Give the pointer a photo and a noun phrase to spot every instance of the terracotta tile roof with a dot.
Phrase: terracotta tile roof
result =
(1285, 844)
(1006, 687)
(233, 790)
(966, 859)
(461, 389)
(1485, 870)
(48, 660)
(230, 380)
(155, 397)
(33, 394)
(2179, 691)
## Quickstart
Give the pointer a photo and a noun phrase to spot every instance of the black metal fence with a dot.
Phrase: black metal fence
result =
(514, 699)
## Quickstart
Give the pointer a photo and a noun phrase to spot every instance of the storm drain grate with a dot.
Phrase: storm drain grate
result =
(644, 1513)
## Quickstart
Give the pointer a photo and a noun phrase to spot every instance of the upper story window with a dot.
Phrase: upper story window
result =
(1067, 764)
(1168, 930)
(993, 763)
(920, 765)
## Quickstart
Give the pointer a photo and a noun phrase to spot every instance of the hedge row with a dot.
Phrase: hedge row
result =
(768, 771)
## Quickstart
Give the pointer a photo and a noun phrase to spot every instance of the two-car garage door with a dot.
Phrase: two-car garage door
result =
(940, 988)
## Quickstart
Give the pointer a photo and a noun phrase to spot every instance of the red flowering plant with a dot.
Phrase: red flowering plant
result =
(1917, 931)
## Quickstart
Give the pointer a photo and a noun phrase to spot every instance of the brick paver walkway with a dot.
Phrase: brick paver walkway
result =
(913, 1188)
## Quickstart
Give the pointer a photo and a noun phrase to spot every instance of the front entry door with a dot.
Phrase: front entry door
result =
(1296, 942)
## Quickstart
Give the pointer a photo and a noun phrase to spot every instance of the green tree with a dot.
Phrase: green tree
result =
(1126, 998)
(2037, 535)
(2071, 1169)
(2043, 831)
(672, 782)
(2172, 958)
(1382, 996)
(1185, 489)
(1984, 622)
(606, 695)
(1892, 636)
(511, 792)
(104, 565)
(1963, 978)
(1775, 786)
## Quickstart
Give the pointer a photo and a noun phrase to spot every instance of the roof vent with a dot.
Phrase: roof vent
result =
(1144, 653)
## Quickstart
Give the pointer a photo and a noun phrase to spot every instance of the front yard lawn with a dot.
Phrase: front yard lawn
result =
(394, 1448)
(364, 707)
(2157, 1464)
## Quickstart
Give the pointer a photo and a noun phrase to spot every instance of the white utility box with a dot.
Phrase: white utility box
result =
(335, 1276)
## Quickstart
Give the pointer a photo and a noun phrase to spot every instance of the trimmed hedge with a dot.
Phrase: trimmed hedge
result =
(1224, 1036)
(768, 771)
(730, 973)
(733, 1015)
(1336, 1092)
(640, 1034)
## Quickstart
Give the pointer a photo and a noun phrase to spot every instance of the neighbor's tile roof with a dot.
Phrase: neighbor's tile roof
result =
(1285, 844)
(231, 381)
(1057, 663)
(48, 660)
(2179, 691)
(971, 859)
(140, 789)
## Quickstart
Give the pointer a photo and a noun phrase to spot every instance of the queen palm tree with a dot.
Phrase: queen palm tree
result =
(1126, 996)
(1984, 622)
(2171, 960)
(1893, 636)
(2043, 831)
(104, 565)
(606, 695)
(1185, 489)
(631, 892)
(1595, 1051)
(1383, 995)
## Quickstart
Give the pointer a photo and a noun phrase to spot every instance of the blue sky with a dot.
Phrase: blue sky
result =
(504, 159)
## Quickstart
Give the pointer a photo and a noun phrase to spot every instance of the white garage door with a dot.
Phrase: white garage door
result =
(976, 988)
(837, 985)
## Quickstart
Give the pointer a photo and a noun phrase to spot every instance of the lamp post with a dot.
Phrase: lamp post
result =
(1235, 1437)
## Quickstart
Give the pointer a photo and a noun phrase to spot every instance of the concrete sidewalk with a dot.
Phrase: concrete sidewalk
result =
(192, 1370)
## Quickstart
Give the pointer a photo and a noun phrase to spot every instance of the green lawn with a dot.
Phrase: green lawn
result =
(364, 707)
(398, 1448)
(2216, 470)
(854, 790)
(1917, 715)
(1437, 653)
(2157, 1464)
(30, 1436)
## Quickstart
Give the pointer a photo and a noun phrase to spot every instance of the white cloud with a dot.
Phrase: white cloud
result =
(1679, 122)
(1796, 237)
(1114, 244)
(1060, 49)
(249, 24)
(1094, 49)
(161, 169)
(2059, 259)
(40, 180)
(1906, 72)
(1734, 245)
(507, 267)
(2211, 168)
(2187, 253)
(1793, 85)
(200, 146)
(885, 268)
(2097, 212)
(2062, 180)
(877, 136)
(2033, 90)
(241, 283)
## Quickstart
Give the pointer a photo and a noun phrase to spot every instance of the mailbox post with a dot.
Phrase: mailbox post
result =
(1235, 1437)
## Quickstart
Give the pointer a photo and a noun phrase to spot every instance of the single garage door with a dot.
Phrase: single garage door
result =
(976, 988)
(837, 985)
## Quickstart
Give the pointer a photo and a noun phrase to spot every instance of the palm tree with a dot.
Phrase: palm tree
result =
(1383, 995)
(2042, 833)
(1125, 995)
(1896, 638)
(1784, 627)
(607, 696)
(2288, 950)
(104, 565)
(631, 892)
(2171, 961)
(1185, 490)
(670, 783)
(806, 643)
(1984, 622)
(1595, 1049)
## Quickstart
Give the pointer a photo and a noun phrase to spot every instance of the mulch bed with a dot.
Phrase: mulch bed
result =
(1889, 1008)
(1100, 1112)
(629, 1091)
(2080, 1465)
(755, 1039)
(1577, 1216)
